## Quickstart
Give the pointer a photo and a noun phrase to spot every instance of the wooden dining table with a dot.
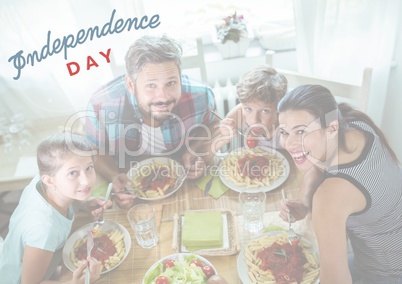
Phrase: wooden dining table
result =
(189, 197)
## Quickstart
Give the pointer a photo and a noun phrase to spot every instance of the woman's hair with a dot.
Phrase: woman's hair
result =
(152, 49)
(262, 84)
(319, 102)
(52, 151)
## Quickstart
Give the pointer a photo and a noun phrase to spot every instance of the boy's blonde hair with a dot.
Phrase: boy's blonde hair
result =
(262, 84)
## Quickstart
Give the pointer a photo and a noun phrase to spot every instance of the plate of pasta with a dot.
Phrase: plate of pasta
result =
(112, 243)
(156, 178)
(271, 259)
(256, 169)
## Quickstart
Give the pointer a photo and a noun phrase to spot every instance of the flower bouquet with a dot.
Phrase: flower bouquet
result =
(232, 35)
(232, 28)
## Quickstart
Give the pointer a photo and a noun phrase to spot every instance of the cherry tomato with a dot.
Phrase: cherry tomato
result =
(196, 262)
(208, 270)
(168, 263)
(295, 242)
(162, 280)
(251, 142)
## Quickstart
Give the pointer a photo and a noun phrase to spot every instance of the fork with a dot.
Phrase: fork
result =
(90, 245)
(101, 220)
(292, 236)
(237, 129)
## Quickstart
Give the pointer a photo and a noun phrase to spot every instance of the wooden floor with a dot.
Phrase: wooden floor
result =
(8, 202)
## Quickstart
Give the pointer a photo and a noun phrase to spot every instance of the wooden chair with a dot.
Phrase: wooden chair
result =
(356, 95)
(196, 62)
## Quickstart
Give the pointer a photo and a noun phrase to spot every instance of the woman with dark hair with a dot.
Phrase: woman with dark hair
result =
(352, 184)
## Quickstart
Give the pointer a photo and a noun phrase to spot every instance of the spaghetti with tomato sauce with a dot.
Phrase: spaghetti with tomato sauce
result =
(284, 261)
(102, 250)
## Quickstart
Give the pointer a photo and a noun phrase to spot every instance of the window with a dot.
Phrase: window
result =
(198, 18)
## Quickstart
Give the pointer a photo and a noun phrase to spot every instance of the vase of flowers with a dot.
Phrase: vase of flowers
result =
(232, 36)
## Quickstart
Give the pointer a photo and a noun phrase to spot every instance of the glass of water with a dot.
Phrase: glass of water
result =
(252, 206)
(142, 221)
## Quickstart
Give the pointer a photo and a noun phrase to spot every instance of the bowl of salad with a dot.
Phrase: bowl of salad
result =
(181, 268)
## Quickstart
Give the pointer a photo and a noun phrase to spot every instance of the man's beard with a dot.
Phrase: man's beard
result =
(161, 116)
(158, 116)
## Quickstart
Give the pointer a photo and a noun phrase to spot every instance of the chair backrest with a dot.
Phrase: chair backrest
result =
(196, 62)
(356, 95)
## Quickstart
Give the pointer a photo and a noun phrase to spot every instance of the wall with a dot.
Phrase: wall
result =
(220, 70)
(392, 110)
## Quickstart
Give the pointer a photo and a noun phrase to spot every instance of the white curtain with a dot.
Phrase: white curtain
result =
(339, 38)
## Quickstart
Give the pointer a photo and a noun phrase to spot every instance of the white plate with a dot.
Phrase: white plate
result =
(242, 269)
(275, 184)
(82, 233)
(179, 256)
(180, 171)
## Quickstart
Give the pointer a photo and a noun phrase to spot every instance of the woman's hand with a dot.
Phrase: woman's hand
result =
(121, 183)
(300, 208)
(296, 208)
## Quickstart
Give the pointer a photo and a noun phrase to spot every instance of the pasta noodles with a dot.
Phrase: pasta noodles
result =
(155, 179)
(253, 168)
(109, 249)
(258, 260)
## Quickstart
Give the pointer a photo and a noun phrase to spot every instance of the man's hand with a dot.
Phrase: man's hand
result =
(195, 165)
(120, 183)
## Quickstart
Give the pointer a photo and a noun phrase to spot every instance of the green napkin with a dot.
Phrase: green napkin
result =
(202, 229)
(273, 228)
(217, 188)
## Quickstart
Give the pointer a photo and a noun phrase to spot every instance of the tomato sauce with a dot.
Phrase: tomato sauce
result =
(253, 166)
(102, 250)
(284, 261)
(153, 181)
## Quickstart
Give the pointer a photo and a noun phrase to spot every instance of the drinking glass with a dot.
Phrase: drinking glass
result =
(142, 221)
(253, 207)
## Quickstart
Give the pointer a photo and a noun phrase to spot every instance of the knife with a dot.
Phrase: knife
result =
(209, 183)
(109, 190)
(90, 245)
(208, 186)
